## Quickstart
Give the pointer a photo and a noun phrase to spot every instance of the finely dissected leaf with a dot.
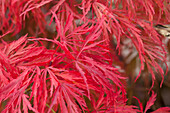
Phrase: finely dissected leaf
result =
(14, 91)
(6, 66)
(12, 86)
(65, 90)
(68, 22)
(26, 104)
(84, 78)
(140, 104)
(33, 6)
(16, 44)
(150, 101)
(54, 81)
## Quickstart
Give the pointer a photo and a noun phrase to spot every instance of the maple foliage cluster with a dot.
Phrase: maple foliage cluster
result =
(67, 55)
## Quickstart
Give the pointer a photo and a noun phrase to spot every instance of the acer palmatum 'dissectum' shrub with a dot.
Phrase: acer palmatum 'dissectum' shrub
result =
(75, 56)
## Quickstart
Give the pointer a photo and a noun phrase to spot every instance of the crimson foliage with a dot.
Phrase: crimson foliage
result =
(69, 56)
